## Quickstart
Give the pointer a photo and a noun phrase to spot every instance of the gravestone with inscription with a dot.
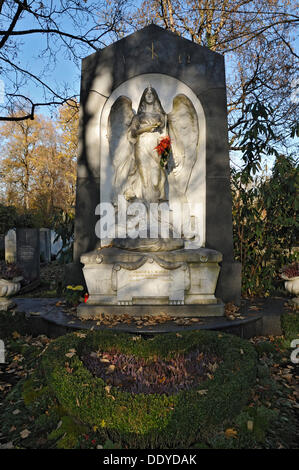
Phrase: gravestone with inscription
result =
(28, 252)
(153, 220)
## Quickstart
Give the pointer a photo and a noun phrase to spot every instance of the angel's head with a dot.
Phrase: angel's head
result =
(150, 97)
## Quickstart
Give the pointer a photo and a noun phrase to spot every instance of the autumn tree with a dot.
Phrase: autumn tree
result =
(38, 164)
(257, 39)
(60, 29)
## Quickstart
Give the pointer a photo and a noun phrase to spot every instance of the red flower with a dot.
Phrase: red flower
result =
(86, 297)
(164, 145)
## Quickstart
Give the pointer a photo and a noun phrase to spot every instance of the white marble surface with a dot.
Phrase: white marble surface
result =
(167, 88)
(151, 283)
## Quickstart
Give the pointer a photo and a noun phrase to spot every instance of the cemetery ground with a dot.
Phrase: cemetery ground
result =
(34, 416)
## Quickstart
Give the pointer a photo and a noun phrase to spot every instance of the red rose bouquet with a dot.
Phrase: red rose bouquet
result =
(163, 149)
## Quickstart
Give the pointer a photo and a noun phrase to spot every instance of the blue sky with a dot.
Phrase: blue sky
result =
(66, 71)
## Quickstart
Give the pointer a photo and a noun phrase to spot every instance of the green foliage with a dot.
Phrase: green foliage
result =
(256, 136)
(28, 219)
(67, 433)
(261, 418)
(30, 393)
(265, 347)
(290, 325)
(73, 294)
(11, 217)
(264, 225)
(11, 322)
(151, 421)
(8, 218)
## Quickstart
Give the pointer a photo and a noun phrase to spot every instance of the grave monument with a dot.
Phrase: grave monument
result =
(153, 227)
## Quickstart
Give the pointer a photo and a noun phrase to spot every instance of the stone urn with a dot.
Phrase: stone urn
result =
(292, 286)
(8, 288)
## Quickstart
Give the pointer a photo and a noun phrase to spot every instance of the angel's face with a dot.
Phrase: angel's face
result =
(149, 96)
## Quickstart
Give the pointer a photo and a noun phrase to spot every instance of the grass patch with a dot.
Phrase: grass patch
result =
(151, 420)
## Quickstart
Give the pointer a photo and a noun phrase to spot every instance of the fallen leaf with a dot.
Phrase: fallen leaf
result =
(110, 369)
(25, 433)
(230, 432)
(250, 425)
(71, 353)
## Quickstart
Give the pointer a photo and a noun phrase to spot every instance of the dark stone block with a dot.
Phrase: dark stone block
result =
(73, 275)
(219, 231)
(229, 282)
(88, 196)
(28, 252)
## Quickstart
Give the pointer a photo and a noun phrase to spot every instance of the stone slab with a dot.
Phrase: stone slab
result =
(89, 312)
(49, 319)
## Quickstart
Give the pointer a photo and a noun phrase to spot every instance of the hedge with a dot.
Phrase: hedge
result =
(151, 420)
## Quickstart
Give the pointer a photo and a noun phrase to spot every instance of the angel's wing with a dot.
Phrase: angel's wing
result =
(121, 149)
(183, 132)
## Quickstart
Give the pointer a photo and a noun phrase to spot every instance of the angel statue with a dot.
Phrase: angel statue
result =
(134, 138)
(134, 143)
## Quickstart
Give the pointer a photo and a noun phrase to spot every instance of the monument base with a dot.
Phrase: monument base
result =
(95, 312)
(182, 280)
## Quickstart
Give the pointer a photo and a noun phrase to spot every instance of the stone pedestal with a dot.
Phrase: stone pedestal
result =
(177, 279)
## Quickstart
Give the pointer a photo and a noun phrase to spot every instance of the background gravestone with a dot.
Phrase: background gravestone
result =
(28, 252)
(45, 244)
(167, 57)
(11, 246)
